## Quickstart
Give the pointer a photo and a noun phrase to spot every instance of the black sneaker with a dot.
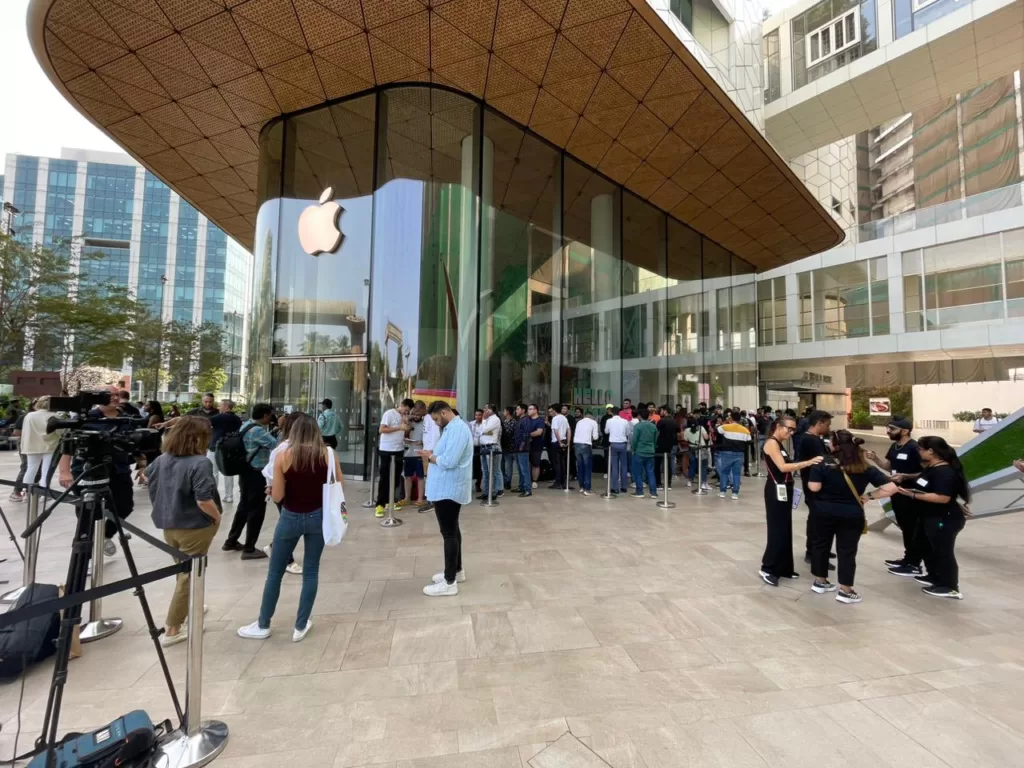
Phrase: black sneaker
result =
(842, 596)
(950, 594)
(767, 578)
(524, 494)
(821, 587)
(231, 546)
(831, 555)
(926, 580)
(906, 570)
(793, 575)
(895, 563)
(256, 554)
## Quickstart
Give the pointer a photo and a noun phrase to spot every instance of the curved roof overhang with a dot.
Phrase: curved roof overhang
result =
(185, 86)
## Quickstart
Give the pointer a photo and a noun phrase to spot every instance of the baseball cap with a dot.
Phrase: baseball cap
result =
(901, 424)
(609, 406)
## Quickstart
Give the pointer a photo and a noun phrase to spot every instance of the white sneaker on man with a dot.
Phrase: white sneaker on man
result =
(254, 631)
(294, 568)
(109, 548)
(459, 577)
(444, 589)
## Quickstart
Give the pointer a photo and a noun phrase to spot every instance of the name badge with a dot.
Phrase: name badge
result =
(901, 456)
(780, 493)
(922, 482)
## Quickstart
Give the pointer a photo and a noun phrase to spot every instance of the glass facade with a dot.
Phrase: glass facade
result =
(830, 35)
(477, 264)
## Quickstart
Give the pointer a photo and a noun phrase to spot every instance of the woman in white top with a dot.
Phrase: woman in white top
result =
(38, 446)
(287, 421)
(697, 438)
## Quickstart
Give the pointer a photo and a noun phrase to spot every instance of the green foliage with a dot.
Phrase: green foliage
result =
(901, 402)
(969, 416)
(861, 420)
(211, 380)
(996, 452)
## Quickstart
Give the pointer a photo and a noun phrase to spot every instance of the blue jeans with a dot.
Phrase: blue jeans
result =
(508, 459)
(693, 468)
(643, 466)
(584, 465)
(291, 527)
(488, 457)
(617, 470)
(729, 464)
(525, 478)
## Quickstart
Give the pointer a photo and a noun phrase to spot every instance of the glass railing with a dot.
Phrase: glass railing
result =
(950, 317)
(1000, 199)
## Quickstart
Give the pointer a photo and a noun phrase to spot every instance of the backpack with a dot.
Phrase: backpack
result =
(32, 640)
(230, 454)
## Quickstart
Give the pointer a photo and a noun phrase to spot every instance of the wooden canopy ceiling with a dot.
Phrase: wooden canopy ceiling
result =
(186, 85)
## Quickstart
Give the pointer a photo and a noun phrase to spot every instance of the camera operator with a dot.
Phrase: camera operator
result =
(121, 486)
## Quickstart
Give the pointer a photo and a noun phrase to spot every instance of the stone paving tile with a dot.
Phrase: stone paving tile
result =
(588, 633)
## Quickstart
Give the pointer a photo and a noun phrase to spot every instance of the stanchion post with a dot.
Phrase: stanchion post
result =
(700, 490)
(567, 464)
(28, 570)
(370, 503)
(607, 495)
(98, 627)
(391, 521)
(491, 501)
(665, 503)
(198, 741)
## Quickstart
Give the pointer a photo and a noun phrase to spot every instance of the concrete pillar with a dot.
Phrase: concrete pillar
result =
(468, 285)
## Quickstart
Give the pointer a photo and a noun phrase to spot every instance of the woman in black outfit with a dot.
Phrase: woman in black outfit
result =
(935, 493)
(838, 486)
(777, 561)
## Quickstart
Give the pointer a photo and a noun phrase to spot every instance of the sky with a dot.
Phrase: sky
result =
(37, 119)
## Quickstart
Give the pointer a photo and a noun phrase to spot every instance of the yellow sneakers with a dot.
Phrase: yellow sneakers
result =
(380, 510)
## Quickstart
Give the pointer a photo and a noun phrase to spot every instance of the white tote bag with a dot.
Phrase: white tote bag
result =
(335, 522)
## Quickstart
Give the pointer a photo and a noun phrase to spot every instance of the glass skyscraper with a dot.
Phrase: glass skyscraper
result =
(166, 252)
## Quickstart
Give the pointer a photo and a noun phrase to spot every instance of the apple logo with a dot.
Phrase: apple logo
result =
(318, 226)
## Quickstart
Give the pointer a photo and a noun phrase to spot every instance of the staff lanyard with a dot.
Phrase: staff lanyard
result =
(768, 466)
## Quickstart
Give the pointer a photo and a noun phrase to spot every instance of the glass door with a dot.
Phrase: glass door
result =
(301, 384)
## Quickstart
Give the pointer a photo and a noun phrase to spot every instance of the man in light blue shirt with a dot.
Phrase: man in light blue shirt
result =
(449, 486)
(329, 423)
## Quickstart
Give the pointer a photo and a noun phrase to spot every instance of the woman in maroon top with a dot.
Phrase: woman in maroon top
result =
(300, 472)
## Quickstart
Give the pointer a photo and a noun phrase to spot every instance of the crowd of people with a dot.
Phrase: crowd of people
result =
(430, 458)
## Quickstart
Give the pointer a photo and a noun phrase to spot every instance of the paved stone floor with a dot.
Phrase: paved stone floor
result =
(588, 634)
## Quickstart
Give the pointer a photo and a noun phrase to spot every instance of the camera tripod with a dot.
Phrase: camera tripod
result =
(94, 506)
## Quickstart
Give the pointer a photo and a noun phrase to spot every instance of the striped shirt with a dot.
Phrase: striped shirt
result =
(452, 475)
(735, 437)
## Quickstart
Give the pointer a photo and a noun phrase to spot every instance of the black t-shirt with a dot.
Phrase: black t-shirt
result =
(20, 423)
(942, 480)
(222, 424)
(537, 443)
(906, 460)
(835, 496)
(807, 447)
(128, 409)
(668, 434)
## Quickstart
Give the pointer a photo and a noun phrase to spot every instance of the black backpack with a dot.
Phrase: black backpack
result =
(230, 454)
(28, 642)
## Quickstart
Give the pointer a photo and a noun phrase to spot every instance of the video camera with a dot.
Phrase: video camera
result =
(95, 437)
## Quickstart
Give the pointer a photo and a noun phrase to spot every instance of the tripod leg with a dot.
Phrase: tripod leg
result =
(140, 592)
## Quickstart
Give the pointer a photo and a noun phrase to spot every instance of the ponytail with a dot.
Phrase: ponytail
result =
(947, 453)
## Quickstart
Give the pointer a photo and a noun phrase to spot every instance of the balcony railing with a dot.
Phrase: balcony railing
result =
(994, 200)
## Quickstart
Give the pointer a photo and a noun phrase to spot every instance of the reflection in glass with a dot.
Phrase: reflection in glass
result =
(644, 368)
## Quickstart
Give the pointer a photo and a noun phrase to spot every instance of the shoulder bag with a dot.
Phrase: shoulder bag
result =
(335, 519)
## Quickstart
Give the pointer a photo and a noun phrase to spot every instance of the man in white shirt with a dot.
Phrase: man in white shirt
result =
(618, 431)
(394, 425)
(558, 448)
(583, 441)
(476, 428)
(490, 452)
(986, 422)
(431, 434)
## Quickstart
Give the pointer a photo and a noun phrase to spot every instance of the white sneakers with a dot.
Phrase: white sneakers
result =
(255, 632)
(299, 634)
(443, 589)
(459, 577)
(294, 568)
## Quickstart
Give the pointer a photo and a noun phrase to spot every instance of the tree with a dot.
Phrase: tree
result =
(145, 350)
(211, 380)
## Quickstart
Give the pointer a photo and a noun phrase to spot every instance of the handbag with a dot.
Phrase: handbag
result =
(856, 495)
(335, 519)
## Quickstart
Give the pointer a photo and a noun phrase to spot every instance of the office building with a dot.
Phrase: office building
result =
(905, 121)
(158, 245)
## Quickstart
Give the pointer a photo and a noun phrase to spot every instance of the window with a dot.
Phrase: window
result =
(834, 37)
(921, 4)
(682, 10)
